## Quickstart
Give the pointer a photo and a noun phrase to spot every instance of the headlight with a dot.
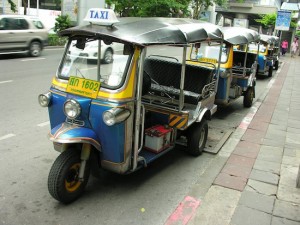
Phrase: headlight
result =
(72, 109)
(44, 99)
(115, 115)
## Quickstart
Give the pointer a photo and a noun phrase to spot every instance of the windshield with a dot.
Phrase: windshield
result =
(82, 57)
(253, 48)
(205, 50)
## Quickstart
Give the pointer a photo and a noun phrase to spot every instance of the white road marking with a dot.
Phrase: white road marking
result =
(7, 136)
(25, 60)
(44, 124)
(6, 81)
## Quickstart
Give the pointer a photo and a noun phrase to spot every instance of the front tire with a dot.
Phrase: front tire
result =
(63, 182)
(270, 72)
(248, 97)
(197, 137)
(35, 49)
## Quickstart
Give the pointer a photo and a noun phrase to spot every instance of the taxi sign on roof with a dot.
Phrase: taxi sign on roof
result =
(101, 16)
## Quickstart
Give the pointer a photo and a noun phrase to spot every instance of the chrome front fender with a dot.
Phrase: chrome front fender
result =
(67, 134)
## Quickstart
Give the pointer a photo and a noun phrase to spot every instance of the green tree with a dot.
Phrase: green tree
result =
(269, 21)
(13, 6)
(155, 8)
(62, 22)
(202, 5)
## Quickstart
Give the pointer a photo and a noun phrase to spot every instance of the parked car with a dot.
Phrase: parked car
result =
(22, 34)
(90, 52)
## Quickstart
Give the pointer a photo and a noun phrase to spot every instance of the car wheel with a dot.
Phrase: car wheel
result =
(276, 65)
(35, 49)
(270, 72)
(108, 56)
(197, 137)
(248, 97)
(63, 181)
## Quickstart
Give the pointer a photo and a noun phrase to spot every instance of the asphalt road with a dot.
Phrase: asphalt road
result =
(146, 197)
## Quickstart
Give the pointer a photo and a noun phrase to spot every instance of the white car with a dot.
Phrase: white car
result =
(21, 34)
(90, 52)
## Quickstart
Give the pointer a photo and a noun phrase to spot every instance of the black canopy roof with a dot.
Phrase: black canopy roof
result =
(239, 35)
(151, 31)
(269, 39)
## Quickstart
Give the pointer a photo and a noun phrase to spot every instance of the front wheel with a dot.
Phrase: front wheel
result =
(197, 137)
(248, 97)
(63, 181)
(270, 72)
(35, 49)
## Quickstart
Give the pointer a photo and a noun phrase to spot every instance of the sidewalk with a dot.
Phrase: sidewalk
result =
(259, 164)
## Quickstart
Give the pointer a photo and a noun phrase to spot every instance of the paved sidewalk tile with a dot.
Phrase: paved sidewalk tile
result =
(283, 221)
(237, 170)
(264, 176)
(259, 125)
(270, 154)
(247, 149)
(261, 187)
(217, 207)
(287, 210)
(257, 201)
(253, 136)
(241, 161)
(232, 182)
(272, 167)
(247, 216)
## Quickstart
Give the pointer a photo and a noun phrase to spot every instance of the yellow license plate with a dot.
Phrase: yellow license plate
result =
(208, 60)
(83, 87)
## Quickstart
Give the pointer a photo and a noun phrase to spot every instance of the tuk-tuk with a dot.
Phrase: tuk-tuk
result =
(238, 66)
(266, 60)
(122, 115)
(276, 52)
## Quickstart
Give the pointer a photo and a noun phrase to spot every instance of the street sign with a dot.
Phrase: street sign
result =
(283, 20)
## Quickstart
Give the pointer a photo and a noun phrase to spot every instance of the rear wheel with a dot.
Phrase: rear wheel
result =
(63, 181)
(248, 97)
(270, 72)
(35, 49)
(276, 65)
(197, 137)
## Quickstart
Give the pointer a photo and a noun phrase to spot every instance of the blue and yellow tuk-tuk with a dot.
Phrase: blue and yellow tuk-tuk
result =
(122, 114)
(238, 65)
(266, 55)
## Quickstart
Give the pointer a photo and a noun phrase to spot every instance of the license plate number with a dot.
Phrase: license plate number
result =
(83, 87)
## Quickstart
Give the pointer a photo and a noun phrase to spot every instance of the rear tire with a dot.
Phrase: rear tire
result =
(276, 65)
(270, 72)
(248, 97)
(63, 182)
(35, 49)
(197, 137)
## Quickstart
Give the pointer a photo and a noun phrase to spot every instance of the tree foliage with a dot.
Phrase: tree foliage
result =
(269, 20)
(62, 22)
(13, 6)
(202, 5)
(155, 8)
